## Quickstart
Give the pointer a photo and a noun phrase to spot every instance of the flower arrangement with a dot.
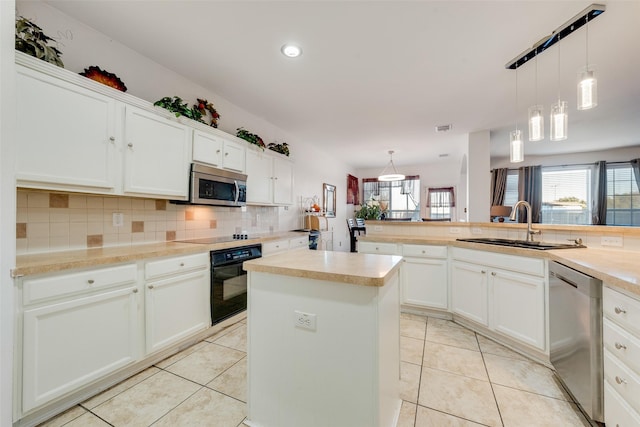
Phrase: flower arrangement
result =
(250, 137)
(279, 148)
(175, 105)
(203, 106)
(104, 77)
(31, 40)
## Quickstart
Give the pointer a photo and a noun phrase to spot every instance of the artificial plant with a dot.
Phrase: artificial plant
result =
(31, 40)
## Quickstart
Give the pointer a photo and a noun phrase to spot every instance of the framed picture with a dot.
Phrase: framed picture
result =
(329, 200)
(353, 193)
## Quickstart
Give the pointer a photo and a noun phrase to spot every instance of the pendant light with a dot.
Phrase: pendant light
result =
(393, 174)
(516, 147)
(536, 114)
(587, 82)
(559, 117)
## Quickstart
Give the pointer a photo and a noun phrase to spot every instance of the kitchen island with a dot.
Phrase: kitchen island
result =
(323, 340)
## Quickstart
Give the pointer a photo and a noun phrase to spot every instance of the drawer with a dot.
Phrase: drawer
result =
(622, 379)
(519, 264)
(175, 265)
(424, 251)
(378, 248)
(622, 309)
(299, 242)
(269, 248)
(622, 344)
(617, 413)
(68, 284)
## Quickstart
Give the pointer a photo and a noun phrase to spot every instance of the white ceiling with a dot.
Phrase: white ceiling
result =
(380, 75)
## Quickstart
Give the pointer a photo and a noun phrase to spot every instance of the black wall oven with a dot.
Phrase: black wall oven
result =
(229, 280)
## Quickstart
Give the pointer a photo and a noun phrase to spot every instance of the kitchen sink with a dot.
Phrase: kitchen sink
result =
(522, 243)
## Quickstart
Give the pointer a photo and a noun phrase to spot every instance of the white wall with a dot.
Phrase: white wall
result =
(8, 207)
(479, 203)
(83, 46)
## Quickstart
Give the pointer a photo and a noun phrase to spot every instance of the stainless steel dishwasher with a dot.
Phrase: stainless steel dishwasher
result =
(575, 335)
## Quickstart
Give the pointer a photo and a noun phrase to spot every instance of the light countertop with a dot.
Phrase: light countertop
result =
(341, 267)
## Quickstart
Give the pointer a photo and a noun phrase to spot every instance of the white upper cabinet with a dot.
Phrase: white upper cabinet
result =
(269, 180)
(66, 136)
(217, 151)
(156, 155)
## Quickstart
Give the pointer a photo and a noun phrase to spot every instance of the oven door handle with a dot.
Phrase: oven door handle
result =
(235, 182)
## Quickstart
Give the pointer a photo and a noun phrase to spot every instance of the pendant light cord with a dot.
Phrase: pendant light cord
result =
(587, 43)
(516, 96)
(558, 66)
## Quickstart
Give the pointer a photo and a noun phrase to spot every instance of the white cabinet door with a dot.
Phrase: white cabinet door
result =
(233, 156)
(65, 135)
(259, 178)
(176, 307)
(71, 343)
(282, 181)
(469, 291)
(424, 282)
(518, 306)
(207, 148)
(157, 156)
(378, 248)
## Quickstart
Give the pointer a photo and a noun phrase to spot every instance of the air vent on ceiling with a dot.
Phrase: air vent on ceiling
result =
(443, 128)
(443, 155)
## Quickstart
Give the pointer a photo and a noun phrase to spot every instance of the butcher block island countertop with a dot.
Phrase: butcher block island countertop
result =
(323, 342)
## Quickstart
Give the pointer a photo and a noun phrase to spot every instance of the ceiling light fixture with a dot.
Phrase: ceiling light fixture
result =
(587, 82)
(536, 115)
(393, 174)
(291, 50)
(559, 117)
(516, 147)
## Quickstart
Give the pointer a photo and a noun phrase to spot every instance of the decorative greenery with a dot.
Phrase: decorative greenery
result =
(250, 137)
(31, 40)
(369, 211)
(279, 148)
(176, 106)
(203, 106)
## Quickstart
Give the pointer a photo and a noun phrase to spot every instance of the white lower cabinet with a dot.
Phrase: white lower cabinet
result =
(621, 339)
(423, 280)
(506, 293)
(176, 299)
(84, 327)
(382, 248)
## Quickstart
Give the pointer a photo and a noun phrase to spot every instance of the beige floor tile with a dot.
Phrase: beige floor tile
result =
(538, 411)
(233, 381)
(412, 316)
(224, 331)
(147, 401)
(407, 415)
(87, 420)
(65, 417)
(492, 347)
(181, 354)
(207, 363)
(447, 332)
(205, 408)
(409, 381)
(119, 388)
(426, 417)
(523, 375)
(455, 360)
(413, 328)
(411, 350)
(236, 339)
(457, 395)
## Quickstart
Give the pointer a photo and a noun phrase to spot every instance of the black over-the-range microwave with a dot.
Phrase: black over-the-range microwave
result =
(216, 187)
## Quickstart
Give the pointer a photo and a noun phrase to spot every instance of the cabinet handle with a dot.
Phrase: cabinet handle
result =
(182, 264)
(150, 286)
(620, 380)
(619, 310)
(620, 346)
(217, 151)
(493, 273)
(91, 281)
(112, 138)
(130, 145)
(226, 154)
(424, 252)
(135, 291)
(483, 272)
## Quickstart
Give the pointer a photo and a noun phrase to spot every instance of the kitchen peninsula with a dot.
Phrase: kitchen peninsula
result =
(323, 339)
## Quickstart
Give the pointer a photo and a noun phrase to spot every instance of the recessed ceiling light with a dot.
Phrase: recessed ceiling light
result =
(291, 50)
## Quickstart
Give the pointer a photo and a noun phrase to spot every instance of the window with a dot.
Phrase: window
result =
(440, 202)
(511, 191)
(623, 197)
(398, 199)
(566, 194)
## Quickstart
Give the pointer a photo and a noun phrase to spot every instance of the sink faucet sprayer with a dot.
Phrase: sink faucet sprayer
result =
(514, 212)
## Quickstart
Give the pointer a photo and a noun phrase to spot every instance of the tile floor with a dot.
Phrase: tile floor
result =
(450, 377)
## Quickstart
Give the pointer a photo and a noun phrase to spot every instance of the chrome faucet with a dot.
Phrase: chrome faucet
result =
(514, 212)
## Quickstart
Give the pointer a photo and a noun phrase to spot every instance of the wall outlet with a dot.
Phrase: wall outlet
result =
(118, 219)
(454, 230)
(476, 230)
(304, 320)
(611, 241)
